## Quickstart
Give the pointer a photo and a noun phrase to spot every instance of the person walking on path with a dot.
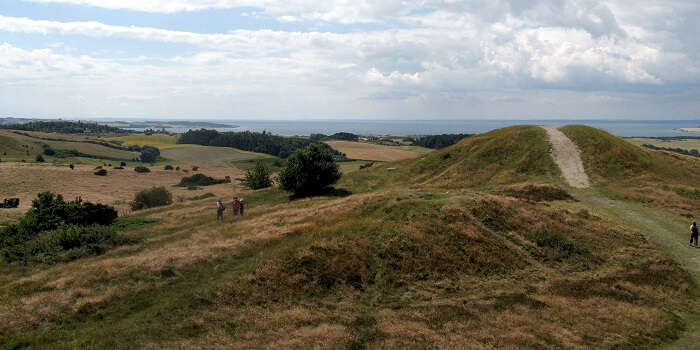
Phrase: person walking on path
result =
(236, 206)
(694, 233)
(220, 210)
(240, 204)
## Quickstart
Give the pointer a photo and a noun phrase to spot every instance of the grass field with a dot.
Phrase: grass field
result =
(209, 155)
(370, 151)
(160, 141)
(686, 144)
(432, 259)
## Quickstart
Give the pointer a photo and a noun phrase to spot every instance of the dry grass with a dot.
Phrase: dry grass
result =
(370, 151)
(117, 188)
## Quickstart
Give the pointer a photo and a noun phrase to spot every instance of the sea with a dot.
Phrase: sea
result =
(624, 128)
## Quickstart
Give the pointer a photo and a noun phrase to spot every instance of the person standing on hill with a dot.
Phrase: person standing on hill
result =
(236, 206)
(220, 210)
(241, 206)
(694, 233)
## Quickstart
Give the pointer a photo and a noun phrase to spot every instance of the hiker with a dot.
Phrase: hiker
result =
(694, 233)
(220, 210)
(236, 206)
(241, 206)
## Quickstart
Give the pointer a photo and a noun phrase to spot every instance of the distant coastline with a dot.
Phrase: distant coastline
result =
(167, 125)
(689, 129)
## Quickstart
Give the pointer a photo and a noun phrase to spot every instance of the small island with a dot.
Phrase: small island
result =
(689, 129)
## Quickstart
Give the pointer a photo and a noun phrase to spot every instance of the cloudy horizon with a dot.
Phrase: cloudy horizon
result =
(299, 59)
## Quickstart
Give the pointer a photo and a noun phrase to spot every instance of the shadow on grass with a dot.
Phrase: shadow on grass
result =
(327, 192)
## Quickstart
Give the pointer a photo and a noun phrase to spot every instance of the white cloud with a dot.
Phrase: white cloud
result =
(438, 58)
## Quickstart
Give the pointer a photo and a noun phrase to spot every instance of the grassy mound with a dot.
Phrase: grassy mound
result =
(504, 156)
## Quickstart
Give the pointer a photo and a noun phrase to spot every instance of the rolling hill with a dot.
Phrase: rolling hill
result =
(470, 247)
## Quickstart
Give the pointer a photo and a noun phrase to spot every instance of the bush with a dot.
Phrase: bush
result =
(200, 180)
(39, 158)
(98, 167)
(118, 168)
(192, 188)
(71, 166)
(67, 243)
(150, 198)
(48, 150)
(149, 154)
(258, 177)
(101, 172)
(142, 169)
(309, 171)
(195, 168)
(50, 211)
(168, 167)
(122, 164)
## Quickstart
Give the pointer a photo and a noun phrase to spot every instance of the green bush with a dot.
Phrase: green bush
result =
(149, 154)
(39, 158)
(258, 177)
(195, 168)
(309, 171)
(122, 164)
(48, 150)
(50, 211)
(142, 169)
(168, 167)
(150, 198)
(67, 243)
(200, 180)
(101, 172)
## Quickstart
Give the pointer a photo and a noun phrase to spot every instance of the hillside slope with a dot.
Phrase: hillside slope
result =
(429, 261)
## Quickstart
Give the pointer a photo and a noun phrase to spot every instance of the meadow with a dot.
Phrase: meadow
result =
(371, 151)
(469, 247)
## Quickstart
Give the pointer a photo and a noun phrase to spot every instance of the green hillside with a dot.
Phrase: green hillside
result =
(475, 246)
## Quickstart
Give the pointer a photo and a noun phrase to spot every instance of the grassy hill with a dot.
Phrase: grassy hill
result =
(432, 254)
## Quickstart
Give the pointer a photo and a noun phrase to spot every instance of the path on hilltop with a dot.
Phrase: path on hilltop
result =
(568, 158)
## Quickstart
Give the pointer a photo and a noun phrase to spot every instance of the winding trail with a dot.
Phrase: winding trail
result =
(568, 158)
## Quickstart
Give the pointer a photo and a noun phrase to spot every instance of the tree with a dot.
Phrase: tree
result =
(258, 177)
(309, 171)
(150, 198)
(149, 154)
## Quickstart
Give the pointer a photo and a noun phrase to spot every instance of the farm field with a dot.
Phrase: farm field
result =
(686, 144)
(370, 151)
(222, 156)
(25, 181)
(160, 141)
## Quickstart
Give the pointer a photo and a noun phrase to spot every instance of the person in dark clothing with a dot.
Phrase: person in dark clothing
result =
(236, 205)
(240, 205)
(219, 210)
(694, 233)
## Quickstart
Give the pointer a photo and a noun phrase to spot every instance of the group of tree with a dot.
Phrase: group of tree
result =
(266, 143)
(67, 127)
(53, 226)
(438, 141)
(692, 152)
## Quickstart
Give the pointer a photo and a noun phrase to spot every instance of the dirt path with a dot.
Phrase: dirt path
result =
(568, 158)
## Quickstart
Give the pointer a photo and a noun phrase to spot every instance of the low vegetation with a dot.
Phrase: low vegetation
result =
(438, 141)
(142, 169)
(692, 152)
(538, 193)
(149, 154)
(309, 171)
(201, 180)
(151, 198)
(259, 177)
(101, 172)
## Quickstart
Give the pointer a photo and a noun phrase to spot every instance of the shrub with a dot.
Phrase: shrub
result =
(195, 168)
(101, 172)
(39, 158)
(310, 170)
(71, 166)
(192, 188)
(50, 211)
(168, 167)
(177, 168)
(48, 150)
(150, 198)
(149, 154)
(67, 243)
(118, 168)
(258, 177)
(200, 180)
(98, 167)
(122, 164)
(142, 169)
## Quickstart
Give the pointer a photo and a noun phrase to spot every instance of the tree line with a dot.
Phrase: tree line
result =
(438, 141)
(263, 142)
(66, 127)
(692, 152)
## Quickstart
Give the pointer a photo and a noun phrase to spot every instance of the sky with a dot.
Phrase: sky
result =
(350, 59)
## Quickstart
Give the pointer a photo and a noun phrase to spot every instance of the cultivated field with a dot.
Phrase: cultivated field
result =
(209, 155)
(686, 144)
(370, 151)
(155, 140)
(117, 188)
